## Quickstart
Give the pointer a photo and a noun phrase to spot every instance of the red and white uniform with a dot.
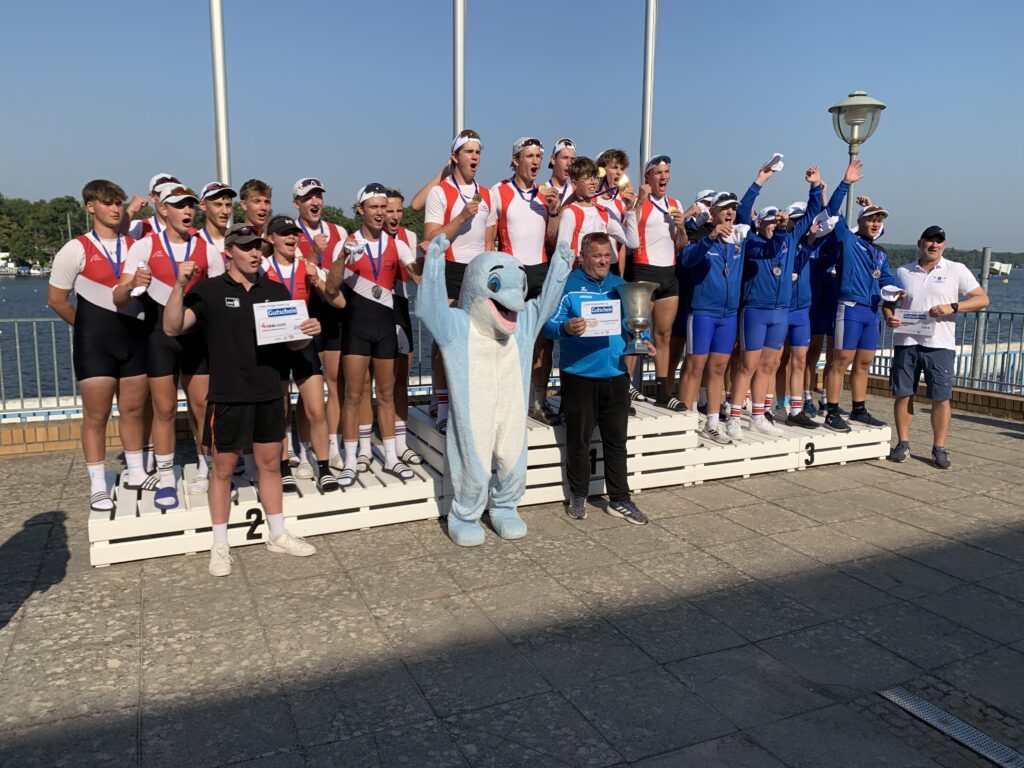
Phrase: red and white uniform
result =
(140, 228)
(335, 235)
(579, 220)
(408, 237)
(563, 192)
(283, 272)
(215, 243)
(445, 202)
(152, 251)
(522, 221)
(82, 266)
(374, 272)
(657, 233)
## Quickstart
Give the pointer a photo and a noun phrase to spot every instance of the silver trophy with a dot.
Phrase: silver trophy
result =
(636, 307)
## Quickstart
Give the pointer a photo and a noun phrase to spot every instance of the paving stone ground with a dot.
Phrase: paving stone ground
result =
(751, 624)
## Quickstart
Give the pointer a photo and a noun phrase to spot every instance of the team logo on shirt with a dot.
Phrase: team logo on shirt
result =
(232, 302)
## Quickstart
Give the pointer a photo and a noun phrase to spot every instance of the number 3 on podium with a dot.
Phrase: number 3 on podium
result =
(810, 454)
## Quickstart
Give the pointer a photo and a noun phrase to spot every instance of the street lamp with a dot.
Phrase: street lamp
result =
(855, 119)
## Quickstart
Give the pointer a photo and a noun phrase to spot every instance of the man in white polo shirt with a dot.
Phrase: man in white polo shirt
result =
(924, 337)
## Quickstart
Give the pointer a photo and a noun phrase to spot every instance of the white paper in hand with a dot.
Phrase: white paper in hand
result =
(775, 164)
(136, 292)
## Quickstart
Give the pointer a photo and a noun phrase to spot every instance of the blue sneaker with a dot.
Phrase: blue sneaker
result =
(940, 458)
(900, 453)
(863, 417)
(835, 422)
(810, 409)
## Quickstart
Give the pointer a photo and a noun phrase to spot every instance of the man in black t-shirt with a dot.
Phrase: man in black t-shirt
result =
(244, 408)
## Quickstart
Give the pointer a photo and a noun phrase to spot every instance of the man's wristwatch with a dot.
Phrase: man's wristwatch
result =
(955, 306)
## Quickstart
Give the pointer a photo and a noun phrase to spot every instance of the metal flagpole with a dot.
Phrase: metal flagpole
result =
(220, 92)
(458, 66)
(650, 32)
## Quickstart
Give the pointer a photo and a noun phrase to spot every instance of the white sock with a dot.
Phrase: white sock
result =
(288, 440)
(390, 454)
(351, 450)
(400, 446)
(98, 481)
(712, 420)
(365, 432)
(136, 471)
(165, 468)
(203, 465)
(276, 524)
(332, 445)
(220, 533)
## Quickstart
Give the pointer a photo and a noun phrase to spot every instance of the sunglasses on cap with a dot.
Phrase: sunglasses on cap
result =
(181, 191)
(246, 230)
(212, 189)
(566, 143)
(373, 189)
(311, 183)
(531, 143)
(468, 133)
(165, 180)
(654, 162)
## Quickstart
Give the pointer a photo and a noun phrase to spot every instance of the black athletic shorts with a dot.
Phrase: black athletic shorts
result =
(330, 317)
(453, 274)
(171, 355)
(236, 426)
(664, 277)
(107, 343)
(300, 364)
(535, 275)
(404, 318)
(369, 328)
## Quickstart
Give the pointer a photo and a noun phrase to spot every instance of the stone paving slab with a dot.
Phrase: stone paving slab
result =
(750, 624)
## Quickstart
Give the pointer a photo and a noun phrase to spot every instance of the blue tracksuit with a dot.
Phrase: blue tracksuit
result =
(598, 357)
(717, 270)
(858, 261)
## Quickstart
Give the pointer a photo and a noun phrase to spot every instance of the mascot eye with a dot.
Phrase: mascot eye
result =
(494, 283)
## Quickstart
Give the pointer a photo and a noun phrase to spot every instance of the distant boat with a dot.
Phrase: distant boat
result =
(996, 268)
(35, 271)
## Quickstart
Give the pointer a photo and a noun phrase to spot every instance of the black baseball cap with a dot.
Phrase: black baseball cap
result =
(934, 233)
(280, 225)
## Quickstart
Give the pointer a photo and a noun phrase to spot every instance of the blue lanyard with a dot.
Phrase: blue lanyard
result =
(309, 237)
(114, 264)
(663, 210)
(208, 238)
(170, 253)
(476, 191)
(533, 191)
(156, 225)
(375, 266)
(280, 275)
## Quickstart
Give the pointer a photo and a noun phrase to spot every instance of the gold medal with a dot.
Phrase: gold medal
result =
(601, 172)
(672, 209)
(477, 198)
(876, 274)
(624, 181)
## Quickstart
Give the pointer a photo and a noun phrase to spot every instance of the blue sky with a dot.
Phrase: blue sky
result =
(358, 92)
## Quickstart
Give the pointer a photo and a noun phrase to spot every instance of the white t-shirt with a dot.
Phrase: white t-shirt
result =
(946, 283)
(522, 222)
(468, 242)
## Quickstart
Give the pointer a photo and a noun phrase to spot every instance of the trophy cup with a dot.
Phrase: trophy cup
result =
(636, 309)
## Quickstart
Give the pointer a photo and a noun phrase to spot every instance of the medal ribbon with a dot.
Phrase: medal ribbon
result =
(114, 264)
(476, 191)
(280, 275)
(170, 253)
(375, 266)
(320, 231)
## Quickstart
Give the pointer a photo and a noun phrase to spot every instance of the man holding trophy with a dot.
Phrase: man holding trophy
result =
(589, 324)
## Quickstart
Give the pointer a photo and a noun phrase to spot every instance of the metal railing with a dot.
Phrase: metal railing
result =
(36, 374)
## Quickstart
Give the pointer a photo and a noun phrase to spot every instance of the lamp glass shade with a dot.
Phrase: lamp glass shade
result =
(856, 117)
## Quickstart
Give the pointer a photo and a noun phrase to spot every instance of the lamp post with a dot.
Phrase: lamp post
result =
(855, 118)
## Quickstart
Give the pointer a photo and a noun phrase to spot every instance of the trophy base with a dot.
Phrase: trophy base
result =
(637, 348)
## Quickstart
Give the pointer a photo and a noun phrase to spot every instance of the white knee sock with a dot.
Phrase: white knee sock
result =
(390, 454)
(136, 471)
(351, 451)
(400, 446)
(365, 432)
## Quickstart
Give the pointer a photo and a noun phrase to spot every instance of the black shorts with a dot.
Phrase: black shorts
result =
(330, 317)
(107, 343)
(404, 318)
(453, 274)
(171, 355)
(301, 364)
(664, 277)
(535, 275)
(369, 328)
(236, 426)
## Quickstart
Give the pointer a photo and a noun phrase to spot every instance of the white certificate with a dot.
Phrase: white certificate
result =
(604, 318)
(918, 323)
(278, 321)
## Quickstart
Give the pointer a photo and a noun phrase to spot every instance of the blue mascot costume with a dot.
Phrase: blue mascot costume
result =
(487, 345)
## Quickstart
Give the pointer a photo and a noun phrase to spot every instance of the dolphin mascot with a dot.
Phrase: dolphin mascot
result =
(487, 345)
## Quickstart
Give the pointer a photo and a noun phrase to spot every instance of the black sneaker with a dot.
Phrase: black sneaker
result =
(801, 419)
(577, 508)
(327, 482)
(863, 417)
(940, 458)
(900, 452)
(836, 423)
(628, 511)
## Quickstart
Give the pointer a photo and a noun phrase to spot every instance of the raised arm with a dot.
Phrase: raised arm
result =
(801, 228)
(432, 298)
(542, 307)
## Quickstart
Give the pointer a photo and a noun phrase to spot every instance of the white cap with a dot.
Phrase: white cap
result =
(768, 213)
(162, 178)
(871, 210)
(215, 188)
(563, 143)
(303, 187)
(526, 141)
(657, 160)
(724, 200)
(796, 210)
(460, 141)
(825, 223)
(891, 292)
(175, 193)
(704, 196)
(373, 189)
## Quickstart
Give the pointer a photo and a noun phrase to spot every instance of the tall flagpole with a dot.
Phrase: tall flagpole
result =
(458, 66)
(220, 92)
(650, 32)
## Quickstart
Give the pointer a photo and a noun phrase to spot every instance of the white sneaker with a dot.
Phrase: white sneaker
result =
(733, 428)
(765, 427)
(337, 462)
(304, 471)
(199, 484)
(289, 544)
(220, 560)
(293, 459)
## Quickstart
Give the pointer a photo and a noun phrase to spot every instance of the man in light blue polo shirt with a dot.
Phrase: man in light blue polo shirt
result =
(924, 337)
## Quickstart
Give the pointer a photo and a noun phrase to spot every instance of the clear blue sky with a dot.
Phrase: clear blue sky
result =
(358, 92)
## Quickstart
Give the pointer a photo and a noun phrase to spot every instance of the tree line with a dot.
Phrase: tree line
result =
(33, 232)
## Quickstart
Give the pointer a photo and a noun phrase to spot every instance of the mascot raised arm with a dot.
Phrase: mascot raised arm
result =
(487, 341)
